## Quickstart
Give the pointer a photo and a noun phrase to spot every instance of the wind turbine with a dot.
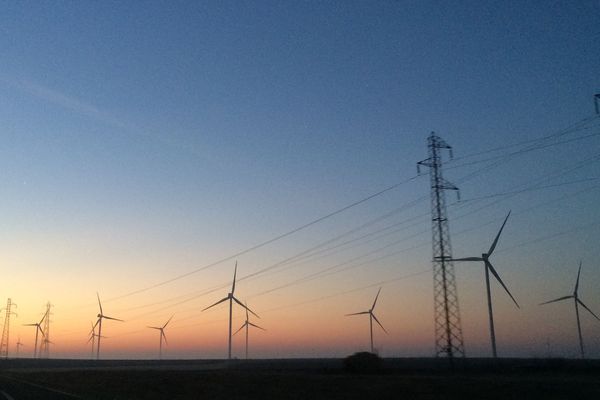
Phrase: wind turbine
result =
(93, 337)
(231, 299)
(247, 325)
(371, 318)
(101, 316)
(489, 268)
(578, 302)
(162, 336)
(38, 329)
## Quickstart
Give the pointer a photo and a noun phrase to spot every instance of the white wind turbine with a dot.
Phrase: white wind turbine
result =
(161, 336)
(231, 299)
(578, 302)
(101, 316)
(247, 325)
(489, 268)
(371, 318)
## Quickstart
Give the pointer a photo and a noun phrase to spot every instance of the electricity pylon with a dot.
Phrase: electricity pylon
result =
(45, 345)
(4, 342)
(19, 345)
(448, 331)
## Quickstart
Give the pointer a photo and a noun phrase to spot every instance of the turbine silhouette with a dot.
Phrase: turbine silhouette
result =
(578, 302)
(490, 268)
(230, 296)
(38, 329)
(371, 318)
(161, 336)
(101, 316)
(247, 325)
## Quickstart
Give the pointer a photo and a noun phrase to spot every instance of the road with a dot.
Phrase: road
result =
(16, 389)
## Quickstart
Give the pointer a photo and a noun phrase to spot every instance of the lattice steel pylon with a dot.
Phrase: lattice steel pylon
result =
(45, 346)
(6, 330)
(448, 332)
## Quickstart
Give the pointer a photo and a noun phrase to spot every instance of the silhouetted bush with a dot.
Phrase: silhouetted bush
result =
(363, 362)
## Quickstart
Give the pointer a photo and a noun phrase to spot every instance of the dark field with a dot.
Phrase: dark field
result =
(302, 379)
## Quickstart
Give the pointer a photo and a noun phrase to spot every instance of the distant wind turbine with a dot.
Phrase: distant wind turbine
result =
(371, 318)
(247, 325)
(231, 299)
(578, 302)
(98, 323)
(38, 329)
(93, 336)
(161, 336)
(489, 268)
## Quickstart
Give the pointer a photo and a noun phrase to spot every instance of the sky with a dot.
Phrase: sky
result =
(145, 147)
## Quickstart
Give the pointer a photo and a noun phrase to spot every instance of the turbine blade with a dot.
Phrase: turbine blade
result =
(242, 304)
(99, 303)
(162, 334)
(153, 327)
(246, 306)
(114, 319)
(218, 302)
(357, 313)
(586, 307)
(376, 320)
(167, 323)
(493, 271)
(241, 327)
(577, 283)
(234, 275)
(493, 246)
(376, 297)
(555, 300)
(256, 326)
(467, 259)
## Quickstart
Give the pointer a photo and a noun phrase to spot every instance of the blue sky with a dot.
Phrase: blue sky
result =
(156, 137)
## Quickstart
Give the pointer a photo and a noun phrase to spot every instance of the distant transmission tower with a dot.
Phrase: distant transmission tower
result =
(45, 347)
(6, 330)
(448, 331)
(19, 345)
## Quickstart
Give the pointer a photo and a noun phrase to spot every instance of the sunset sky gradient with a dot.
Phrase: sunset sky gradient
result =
(143, 141)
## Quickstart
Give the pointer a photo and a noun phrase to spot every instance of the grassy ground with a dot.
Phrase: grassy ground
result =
(317, 384)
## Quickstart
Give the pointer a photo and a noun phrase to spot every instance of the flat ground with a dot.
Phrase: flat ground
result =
(303, 379)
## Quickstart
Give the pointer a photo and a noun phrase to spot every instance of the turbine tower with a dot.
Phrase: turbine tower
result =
(489, 268)
(4, 343)
(230, 296)
(247, 325)
(578, 302)
(161, 336)
(448, 331)
(101, 316)
(371, 318)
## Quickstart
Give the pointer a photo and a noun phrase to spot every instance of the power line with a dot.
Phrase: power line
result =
(267, 242)
(570, 129)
